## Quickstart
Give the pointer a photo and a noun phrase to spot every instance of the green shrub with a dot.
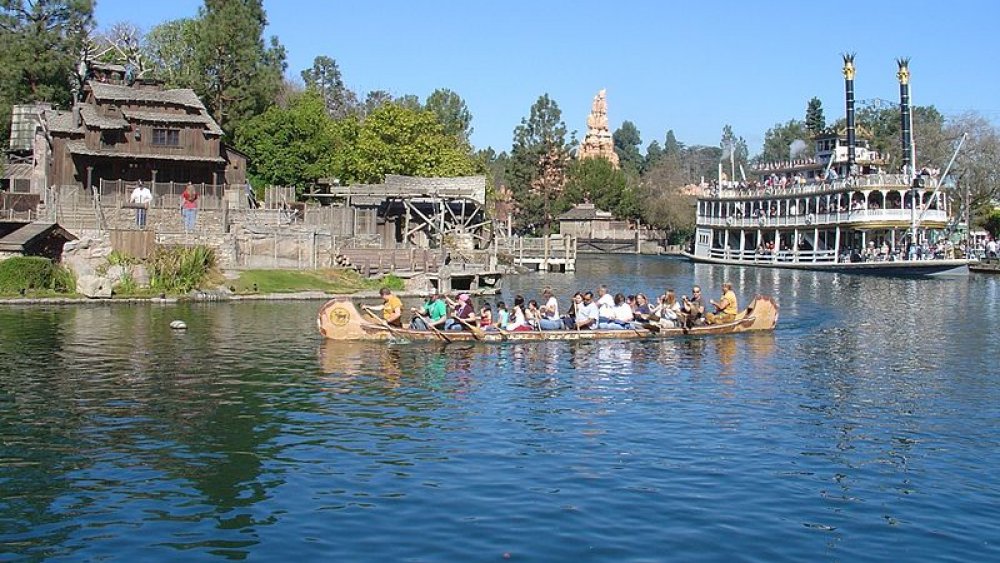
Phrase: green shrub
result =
(34, 273)
(180, 269)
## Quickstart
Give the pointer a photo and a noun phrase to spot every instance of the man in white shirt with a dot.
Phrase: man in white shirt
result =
(141, 198)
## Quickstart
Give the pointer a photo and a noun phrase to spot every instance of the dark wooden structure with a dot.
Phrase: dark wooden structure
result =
(32, 239)
(126, 131)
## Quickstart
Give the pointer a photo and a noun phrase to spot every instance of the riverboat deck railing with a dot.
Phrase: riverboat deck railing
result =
(899, 181)
(819, 219)
(754, 256)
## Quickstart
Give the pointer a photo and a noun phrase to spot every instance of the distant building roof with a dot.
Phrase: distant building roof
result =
(81, 148)
(585, 212)
(59, 121)
(167, 117)
(180, 96)
(98, 121)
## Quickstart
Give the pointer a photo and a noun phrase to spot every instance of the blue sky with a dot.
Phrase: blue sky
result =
(688, 66)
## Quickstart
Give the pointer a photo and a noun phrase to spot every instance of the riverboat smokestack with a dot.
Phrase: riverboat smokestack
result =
(849, 90)
(904, 113)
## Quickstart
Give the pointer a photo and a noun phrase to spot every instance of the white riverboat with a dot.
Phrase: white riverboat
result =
(837, 211)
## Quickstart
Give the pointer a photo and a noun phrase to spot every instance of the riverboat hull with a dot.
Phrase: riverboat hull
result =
(339, 319)
(937, 267)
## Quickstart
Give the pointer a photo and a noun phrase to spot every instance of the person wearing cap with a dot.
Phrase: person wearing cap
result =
(464, 311)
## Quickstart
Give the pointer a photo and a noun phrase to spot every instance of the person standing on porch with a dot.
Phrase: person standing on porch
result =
(141, 198)
(189, 207)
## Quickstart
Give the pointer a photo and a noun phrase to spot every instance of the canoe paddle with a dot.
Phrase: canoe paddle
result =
(433, 328)
(381, 321)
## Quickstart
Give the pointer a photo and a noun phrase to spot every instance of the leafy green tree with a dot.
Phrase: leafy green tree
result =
(325, 78)
(293, 146)
(397, 140)
(596, 180)
(627, 142)
(778, 140)
(41, 41)
(815, 121)
(170, 49)
(240, 76)
(665, 202)
(451, 112)
(536, 171)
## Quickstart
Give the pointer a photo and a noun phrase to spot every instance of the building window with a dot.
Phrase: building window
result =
(167, 137)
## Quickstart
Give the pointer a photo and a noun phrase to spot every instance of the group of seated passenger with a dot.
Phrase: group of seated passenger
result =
(605, 312)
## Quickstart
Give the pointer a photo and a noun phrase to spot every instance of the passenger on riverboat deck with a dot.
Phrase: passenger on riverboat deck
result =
(518, 322)
(550, 312)
(693, 308)
(463, 310)
(434, 309)
(391, 307)
(485, 316)
(725, 308)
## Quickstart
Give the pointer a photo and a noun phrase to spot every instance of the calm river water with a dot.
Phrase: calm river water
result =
(864, 428)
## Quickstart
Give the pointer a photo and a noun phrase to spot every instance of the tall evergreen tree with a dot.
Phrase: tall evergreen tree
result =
(452, 112)
(627, 142)
(241, 76)
(815, 121)
(325, 78)
(538, 159)
(671, 147)
(653, 155)
(41, 42)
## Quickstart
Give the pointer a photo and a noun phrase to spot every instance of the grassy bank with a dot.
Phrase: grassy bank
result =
(328, 281)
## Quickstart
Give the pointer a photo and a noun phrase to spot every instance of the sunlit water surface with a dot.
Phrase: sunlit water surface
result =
(865, 427)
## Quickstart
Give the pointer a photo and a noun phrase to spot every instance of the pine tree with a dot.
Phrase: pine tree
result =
(815, 121)
(41, 43)
(627, 143)
(325, 78)
(240, 76)
(536, 172)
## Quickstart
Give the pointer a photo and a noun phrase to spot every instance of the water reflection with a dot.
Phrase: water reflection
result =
(869, 416)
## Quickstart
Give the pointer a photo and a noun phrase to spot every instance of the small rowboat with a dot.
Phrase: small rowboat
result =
(339, 319)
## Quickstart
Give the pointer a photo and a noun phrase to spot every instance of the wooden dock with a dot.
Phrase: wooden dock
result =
(986, 266)
(556, 253)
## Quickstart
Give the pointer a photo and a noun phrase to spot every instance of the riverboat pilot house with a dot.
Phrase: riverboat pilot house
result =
(123, 129)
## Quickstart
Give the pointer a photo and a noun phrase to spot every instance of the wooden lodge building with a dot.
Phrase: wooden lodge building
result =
(120, 131)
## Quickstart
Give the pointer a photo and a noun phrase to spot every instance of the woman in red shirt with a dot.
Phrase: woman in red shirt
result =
(189, 207)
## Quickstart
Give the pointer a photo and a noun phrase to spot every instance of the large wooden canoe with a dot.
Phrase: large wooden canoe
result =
(339, 319)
